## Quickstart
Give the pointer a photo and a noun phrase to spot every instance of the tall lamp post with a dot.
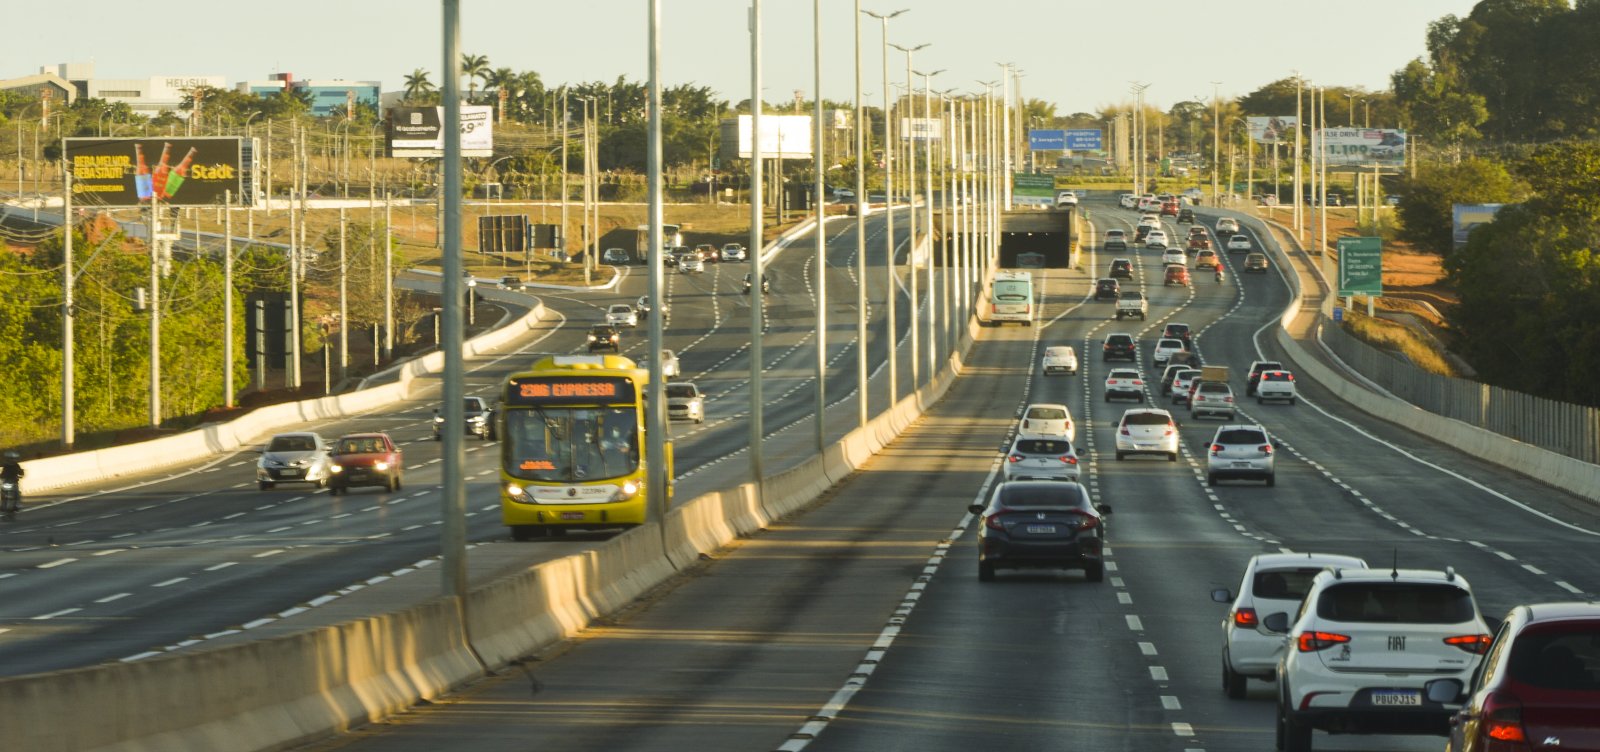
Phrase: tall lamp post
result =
(928, 124)
(758, 297)
(888, 184)
(911, 200)
(861, 236)
(1216, 142)
(818, 165)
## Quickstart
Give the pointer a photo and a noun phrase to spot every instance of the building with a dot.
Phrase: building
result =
(329, 97)
(43, 86)
(147, 96)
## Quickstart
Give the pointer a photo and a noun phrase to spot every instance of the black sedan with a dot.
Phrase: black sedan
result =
(1041, 525)
(604, 337)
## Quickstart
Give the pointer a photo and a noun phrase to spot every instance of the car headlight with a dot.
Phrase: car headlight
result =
(382, 466)
(438, 418)
(591, 338)
(513, 490)
(336, 468)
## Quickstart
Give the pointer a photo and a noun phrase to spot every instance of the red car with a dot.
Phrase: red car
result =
(1539, 687)
(1177, 274)
(364, 459)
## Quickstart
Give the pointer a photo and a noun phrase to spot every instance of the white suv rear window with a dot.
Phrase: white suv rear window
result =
(1396, 602)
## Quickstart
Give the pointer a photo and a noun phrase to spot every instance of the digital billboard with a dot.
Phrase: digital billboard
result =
(1272, 130)
(782, 136)
(1363, 146)
(173, 171)
(418, 131)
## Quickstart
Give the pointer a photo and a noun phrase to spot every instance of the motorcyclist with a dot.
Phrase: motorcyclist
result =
(11, 472)
(1220, 275)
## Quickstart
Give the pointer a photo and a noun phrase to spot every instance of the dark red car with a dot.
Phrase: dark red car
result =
(1539, 686)
(364, 459)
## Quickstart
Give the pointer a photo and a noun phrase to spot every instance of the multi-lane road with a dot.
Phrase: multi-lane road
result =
(861, 624)
(177, 559)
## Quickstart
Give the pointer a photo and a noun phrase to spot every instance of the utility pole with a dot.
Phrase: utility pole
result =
(817, 166)
(68, 360)
(227, 299)
(758, 297)
(889, 245)
(861, 237)
(1216, 136)
(453, 500)
(344, 306)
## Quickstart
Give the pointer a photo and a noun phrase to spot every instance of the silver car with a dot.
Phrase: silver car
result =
(1240, 451)
(685, 402)
(669, 364)
(1211, 398)
(622, 314)
(293, 458)
(1041, 459)
(1147, 430)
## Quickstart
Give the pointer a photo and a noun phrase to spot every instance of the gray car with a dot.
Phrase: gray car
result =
(1240, 451)
(1041, 459)
(293, 458)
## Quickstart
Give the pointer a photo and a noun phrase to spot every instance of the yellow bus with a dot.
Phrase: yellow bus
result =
(573, 448)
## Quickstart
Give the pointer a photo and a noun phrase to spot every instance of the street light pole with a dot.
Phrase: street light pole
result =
(927, 177)
(655, 421)
(453, 500)
(861, 237)
(888, 185)
(911, 200)
(817, 166)
(68, 361)
(758, 297)
(1216, 136)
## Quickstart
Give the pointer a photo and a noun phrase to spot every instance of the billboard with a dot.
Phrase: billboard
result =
(1464, 217)
(921, 129)
(782, 136)
(172, 171)
(1033, 189)
(1360, 266)
(1364, 146)
(1047, 140)
(1084, 139)
(418, 131)
(1272, 130)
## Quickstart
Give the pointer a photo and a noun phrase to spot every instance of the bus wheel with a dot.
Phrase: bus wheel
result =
(527, 532)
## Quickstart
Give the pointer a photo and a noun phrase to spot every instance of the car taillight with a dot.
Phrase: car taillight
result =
(1025, 423)
(1216, 448)
(1017, 458)
(993, 521)
(1289, 377)
(1167, 432)
(1245, 617)
(1228, 398)
(1267, 449)
(1477, 644)
(1087, 522)
(1311, 642)
(1069, 459)
(1138, 382)
(1124, 431)
(1502, 718)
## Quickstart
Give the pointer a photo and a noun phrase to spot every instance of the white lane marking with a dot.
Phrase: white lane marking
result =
(110, 551)
(54, 614)
(1148, 648)
(265, 554)
(1158, 673)
(1533, 569)
(56, 563)
(1134, 623)
(223, 565)
(257, 623)
(110, 598)
(1168, 702)
(1124, 599)
(1567, 586)
(1182, 729)
(171, 582)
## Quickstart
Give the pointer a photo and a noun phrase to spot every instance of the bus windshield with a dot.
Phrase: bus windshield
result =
(1012, 290)
(571, 444)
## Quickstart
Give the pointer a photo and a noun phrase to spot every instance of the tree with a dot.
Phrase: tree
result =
(473, 67)
(417, 84)
(1427, 213)
(1435, 105)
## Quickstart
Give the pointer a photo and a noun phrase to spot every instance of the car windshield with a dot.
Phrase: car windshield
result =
(1011, 290)
(680, 391)
(1210, 387)
(1396, 602)
(1123, 373)
(621, 308)
(1274, 376)
(1133, 295)
(1052, 447)
(1057, 352)
(1561, 657)
(364, 445)
(1146, 419)
(1170, 344)
(1236, 436)
(568, 444)
(292, 444)
(1043, 495)
(1047, 413)
(1119, 339)
(1283, 584)
(473, 405)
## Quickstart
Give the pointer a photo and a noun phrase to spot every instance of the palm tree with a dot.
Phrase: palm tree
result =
(504, 82)
(417, 83)
(473, 67)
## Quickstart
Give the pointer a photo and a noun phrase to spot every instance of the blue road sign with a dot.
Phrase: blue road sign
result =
(1083, 139)
(1047, 140)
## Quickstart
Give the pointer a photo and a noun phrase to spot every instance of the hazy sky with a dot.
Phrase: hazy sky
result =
(1080, 54)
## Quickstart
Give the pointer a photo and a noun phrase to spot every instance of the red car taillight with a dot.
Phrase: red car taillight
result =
(1311, 642)
(1025, 423)
(1069, 459)
(1087, 523)
(1016, 458)
(1477, 644)
(1502, 720)
(1245, 617)
(1265, 448)
(1215, 448)
(1124, 432)
(1138, 382)
(993, 522)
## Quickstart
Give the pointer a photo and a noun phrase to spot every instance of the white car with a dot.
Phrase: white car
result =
(1125, 382)
(1128, 200)
(293, 458)
(1060, 358)
(1239, 243)
(1067, 198)
(1165, 348)
(1041, 459)
(735, 252)
(1383, 650)
(1276, 385)
(622, 314)
(1147, 430)
(1046, 420)
(1181, 384)
(669, 364)
(1152, 221)
(1175, 255)
(1227, 225)
(690, 264)
(1273, 583)
(1241, 451)
(1155, 239)
(685, 402)
(1212, 398)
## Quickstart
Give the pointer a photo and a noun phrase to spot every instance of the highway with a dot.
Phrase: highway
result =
(175, 560)
(861, 625)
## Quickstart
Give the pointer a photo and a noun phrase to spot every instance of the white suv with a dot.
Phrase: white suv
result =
(1147, 431)
(1227, 224)
(1276, 385)
(1273, 583)
(1369, 651)
(1240, 451)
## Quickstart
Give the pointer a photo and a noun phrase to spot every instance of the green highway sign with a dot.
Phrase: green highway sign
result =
(1033, 189)
(1360, 266)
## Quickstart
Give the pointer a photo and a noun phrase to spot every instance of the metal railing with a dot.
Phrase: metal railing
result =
(1561, 427)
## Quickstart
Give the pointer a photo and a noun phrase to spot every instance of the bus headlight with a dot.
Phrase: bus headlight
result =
(629, 488)
(336, 468)
(513, 490)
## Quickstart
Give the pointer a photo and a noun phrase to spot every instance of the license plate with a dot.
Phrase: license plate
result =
(572, 515)
(291, 473)
(1241, 464)
(1397, 697)
(1041, 529)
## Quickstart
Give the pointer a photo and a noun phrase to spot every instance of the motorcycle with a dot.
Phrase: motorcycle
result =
(10, 498)
(1220, 275)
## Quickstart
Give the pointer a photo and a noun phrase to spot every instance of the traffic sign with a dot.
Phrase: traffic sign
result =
(1047, 140)
(1338, 314)
(1084, 139)
(1360, 266)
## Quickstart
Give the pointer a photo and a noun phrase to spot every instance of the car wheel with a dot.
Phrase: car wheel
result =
(525, 532)
(1211, 479)
(1296, 734)
(1233, 682)
(1172, 456)
(1121, 456)
(438, 436)
(335, 490)
(1291, 400)
(1260, 401)
(1140, 399)
(1108, 397)
(266, 485)
(1272, 480)
(985, 571)
(322, 483)
(1095, 573)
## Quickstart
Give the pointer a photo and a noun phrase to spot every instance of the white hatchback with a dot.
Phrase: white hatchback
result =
(1228, 225)
(1273, 583)
(1060, 358)
(1046, 420)
(1175, 255)
(1166, 347)
(1276, 385)
(1155, 239)
(1239, 244)
(1147, 430)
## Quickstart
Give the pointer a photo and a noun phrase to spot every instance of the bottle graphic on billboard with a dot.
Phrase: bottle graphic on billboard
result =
(179, 174)
(163, 169)
(142, 183)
